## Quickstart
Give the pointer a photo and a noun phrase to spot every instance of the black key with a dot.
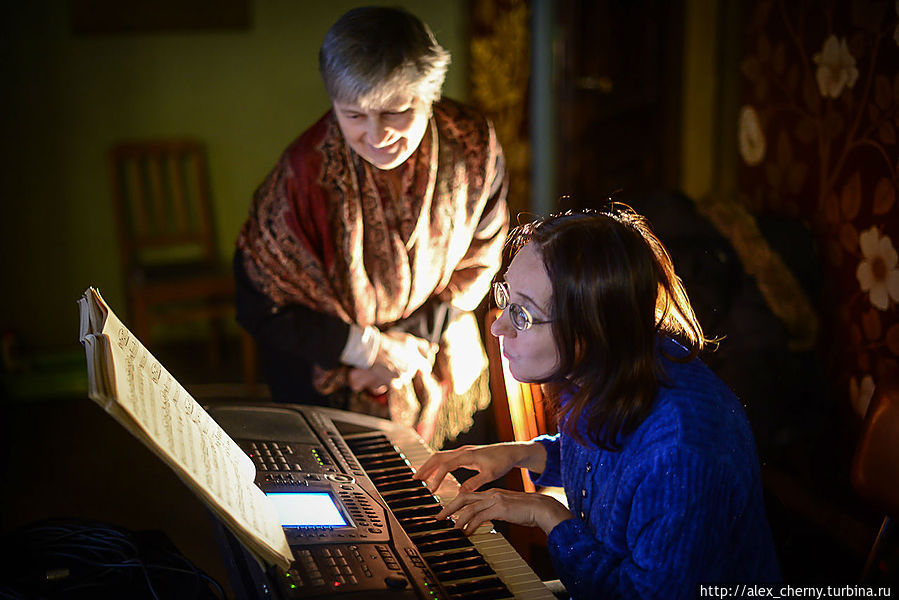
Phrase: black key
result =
(401, 484)
(440, 558)
(482, 588)
(417, 511)
(423, 501)
(426, 524)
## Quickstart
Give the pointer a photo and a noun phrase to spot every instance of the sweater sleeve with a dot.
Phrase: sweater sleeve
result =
(680, 519)
(552, 473)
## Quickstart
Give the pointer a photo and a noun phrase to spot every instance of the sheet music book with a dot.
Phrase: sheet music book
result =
(133, 387)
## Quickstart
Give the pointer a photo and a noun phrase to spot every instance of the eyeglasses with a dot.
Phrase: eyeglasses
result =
(519, 315)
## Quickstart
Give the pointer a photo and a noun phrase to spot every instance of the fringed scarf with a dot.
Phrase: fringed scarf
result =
(329, 231)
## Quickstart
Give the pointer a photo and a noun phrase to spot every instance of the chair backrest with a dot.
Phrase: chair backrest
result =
(163, 209)
(520, 408)
(875, 466)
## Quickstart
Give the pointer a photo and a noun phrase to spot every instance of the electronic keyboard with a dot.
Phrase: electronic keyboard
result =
(358, 524)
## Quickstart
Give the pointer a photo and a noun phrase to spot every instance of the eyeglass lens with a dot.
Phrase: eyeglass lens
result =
(520, 318)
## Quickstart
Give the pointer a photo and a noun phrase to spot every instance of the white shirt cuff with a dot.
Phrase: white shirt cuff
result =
(361, 347)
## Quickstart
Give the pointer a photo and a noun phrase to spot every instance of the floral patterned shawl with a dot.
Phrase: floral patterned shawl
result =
(329, 231)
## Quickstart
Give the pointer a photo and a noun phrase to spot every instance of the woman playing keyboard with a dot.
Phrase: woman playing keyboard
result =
(655, 452)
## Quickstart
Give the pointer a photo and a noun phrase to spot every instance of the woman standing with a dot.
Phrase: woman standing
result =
(376, 235)
(655, 453)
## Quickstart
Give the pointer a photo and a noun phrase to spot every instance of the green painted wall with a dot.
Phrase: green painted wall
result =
(67, 98)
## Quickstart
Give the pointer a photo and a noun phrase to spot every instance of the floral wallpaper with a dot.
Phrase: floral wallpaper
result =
(817, 135)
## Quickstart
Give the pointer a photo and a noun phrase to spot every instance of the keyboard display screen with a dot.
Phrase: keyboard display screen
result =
(307, 509)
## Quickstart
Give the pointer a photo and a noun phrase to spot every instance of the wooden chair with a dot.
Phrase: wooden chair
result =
(169, 259)
(875, 467)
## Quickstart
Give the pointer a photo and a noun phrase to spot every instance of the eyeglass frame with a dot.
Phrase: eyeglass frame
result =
(502, 297)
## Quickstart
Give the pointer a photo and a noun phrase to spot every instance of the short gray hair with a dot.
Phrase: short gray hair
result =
(373, 53)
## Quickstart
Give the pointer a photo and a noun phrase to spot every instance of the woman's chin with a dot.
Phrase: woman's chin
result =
(386, 161)
(386, 166)
(523, 376)
(520, 377)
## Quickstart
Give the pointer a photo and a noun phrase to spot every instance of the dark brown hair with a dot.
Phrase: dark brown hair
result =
(615, 295)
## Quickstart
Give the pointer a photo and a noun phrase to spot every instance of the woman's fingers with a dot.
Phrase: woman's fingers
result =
(470, 510)
(375, 380)
(404, 353)
(357, 380)
(474, 483)
(436, 478)
(489, 461)
(436, 468)
(429, 466)
(471, 516)
(453, 505)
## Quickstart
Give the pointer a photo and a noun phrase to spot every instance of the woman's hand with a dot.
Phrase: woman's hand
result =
(401, 356)
(471, 509)
(404, 355)
(377, 380)
(491, 462)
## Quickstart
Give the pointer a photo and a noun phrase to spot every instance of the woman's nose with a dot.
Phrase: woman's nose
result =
(377, 133)
(502, 326)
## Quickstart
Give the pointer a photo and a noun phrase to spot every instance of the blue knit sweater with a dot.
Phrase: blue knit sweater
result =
(678, 506)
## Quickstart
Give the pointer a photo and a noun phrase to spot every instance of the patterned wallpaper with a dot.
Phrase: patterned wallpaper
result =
(818, 143)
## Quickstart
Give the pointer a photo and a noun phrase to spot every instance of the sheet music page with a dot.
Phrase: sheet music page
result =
(143, 396)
